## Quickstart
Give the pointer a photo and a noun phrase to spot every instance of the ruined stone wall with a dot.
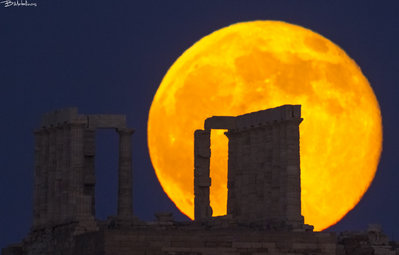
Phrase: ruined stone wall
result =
(250, 174)
(264, 172)
(263, 183)
(159, 240)
(64, 190)
(217, 236)
(63, 171)
(263, 166)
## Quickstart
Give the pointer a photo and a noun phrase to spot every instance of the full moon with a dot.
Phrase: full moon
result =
(252, 66)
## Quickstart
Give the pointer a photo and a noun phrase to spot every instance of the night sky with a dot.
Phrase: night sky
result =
(110, 57)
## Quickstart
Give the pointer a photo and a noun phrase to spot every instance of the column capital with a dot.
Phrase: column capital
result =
(127, 131)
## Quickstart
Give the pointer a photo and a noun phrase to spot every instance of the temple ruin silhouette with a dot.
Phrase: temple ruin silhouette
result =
(263, 205)
(263, 167)
(64, 189)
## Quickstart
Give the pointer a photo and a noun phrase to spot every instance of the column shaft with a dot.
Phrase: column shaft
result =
(292, 169)
(202, 181)
(283, 172)
(267, 170)
(51, 199)
(63, 171)
(275, 209)
(68, 193)
(232, 169)
(77, 168)
(89, 175)
(58, 174)
(44, 164)
(125, 174)
(38, 176)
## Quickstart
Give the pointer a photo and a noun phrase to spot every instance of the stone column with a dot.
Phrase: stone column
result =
(275, 209)
(283, 172)
(44, 188)
(236, 202)
(51, 198)
(125, 175)
(246, 176)
(267, 170)
(89, 175)
(65, 173)
(58, 173)
(232, 169)
(202, 181)
(38, 180)
(258, 144)
(77, 168)
(256, 175)
(70, 204)
(292, 171)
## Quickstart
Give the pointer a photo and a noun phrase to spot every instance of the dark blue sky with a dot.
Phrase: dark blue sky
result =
(110, 57)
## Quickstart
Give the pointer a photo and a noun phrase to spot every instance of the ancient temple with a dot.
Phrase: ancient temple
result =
(263, 207)
(64, 189)
(264, 183)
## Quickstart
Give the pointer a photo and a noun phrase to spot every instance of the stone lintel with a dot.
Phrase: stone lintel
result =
(57, 117)
(254, 119)
(94, 121)
(220, 122)
(117, 121)
(268, 116)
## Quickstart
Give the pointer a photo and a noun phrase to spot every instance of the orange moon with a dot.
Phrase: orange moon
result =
(257, 65)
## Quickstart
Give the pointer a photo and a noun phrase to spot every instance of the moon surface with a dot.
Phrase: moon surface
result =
(256, 65)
